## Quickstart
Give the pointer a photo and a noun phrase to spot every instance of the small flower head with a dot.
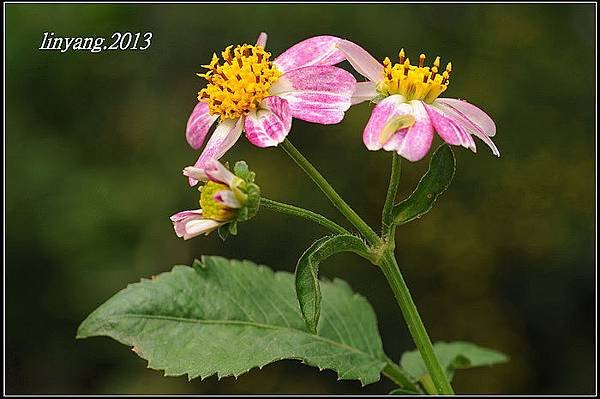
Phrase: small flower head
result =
(225, 199)
(408, 109)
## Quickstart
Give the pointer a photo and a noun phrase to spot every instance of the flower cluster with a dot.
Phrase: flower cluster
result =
(248, 91)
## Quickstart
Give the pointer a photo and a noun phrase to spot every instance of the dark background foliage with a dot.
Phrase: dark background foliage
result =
(95, 145)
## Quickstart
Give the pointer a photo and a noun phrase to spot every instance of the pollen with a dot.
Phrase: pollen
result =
(239, 81)
(414, 82)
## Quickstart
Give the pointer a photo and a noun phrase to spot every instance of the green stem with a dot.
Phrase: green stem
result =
(428, 385)
(399, 377)
(390, 269)
(387, 218)
(387, 263)
(302, 213)
(329, 191)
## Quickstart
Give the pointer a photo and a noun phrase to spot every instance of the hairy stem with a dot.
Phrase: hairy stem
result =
(390, 269)
(387, 217)
(302, 213)
(330, 193)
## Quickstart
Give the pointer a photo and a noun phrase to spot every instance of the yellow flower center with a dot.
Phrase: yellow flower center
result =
(414, 82)
(211, 209)
(239, 83)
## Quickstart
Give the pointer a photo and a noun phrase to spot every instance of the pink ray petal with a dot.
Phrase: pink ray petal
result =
(383, 112)
(223, 138)
(195, 173)
(450, 131)
(362, 61)
(472, 113)
(198, 125)
(179, 216)
(194, 228)
(365, 91)
(394, 142)
(417, 142)
(217, 172)
(467, 124)
(268, 125)
(318, 50)
(319, 94)
(181, 219)
(227, 198)
(262, 40)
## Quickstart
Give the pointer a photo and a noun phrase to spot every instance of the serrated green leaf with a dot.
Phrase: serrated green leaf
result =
(452, 356)
(432, 184)
(230, 316)
(307, 272)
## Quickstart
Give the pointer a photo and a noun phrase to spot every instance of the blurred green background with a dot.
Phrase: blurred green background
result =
(95, 145)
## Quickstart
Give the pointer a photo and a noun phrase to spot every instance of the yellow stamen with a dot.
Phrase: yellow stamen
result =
(414, 82)
(401, 56)
(238, 84)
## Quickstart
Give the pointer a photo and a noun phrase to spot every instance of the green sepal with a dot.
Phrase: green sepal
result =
(242, 171)
(223, 231)
(252, 192)
(233, 230)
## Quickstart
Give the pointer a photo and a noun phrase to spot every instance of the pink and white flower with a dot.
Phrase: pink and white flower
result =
(408, 109)
(247, 92)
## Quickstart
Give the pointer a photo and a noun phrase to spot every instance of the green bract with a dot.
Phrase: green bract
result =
(248, 193)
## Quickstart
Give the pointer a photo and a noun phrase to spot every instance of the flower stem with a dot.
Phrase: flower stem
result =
(428, 385)
(387, 262)
(387, 217)
(390, 269)
(329, 191)
(302, 213)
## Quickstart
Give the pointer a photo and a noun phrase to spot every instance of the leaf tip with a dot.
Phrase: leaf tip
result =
(83, 330)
